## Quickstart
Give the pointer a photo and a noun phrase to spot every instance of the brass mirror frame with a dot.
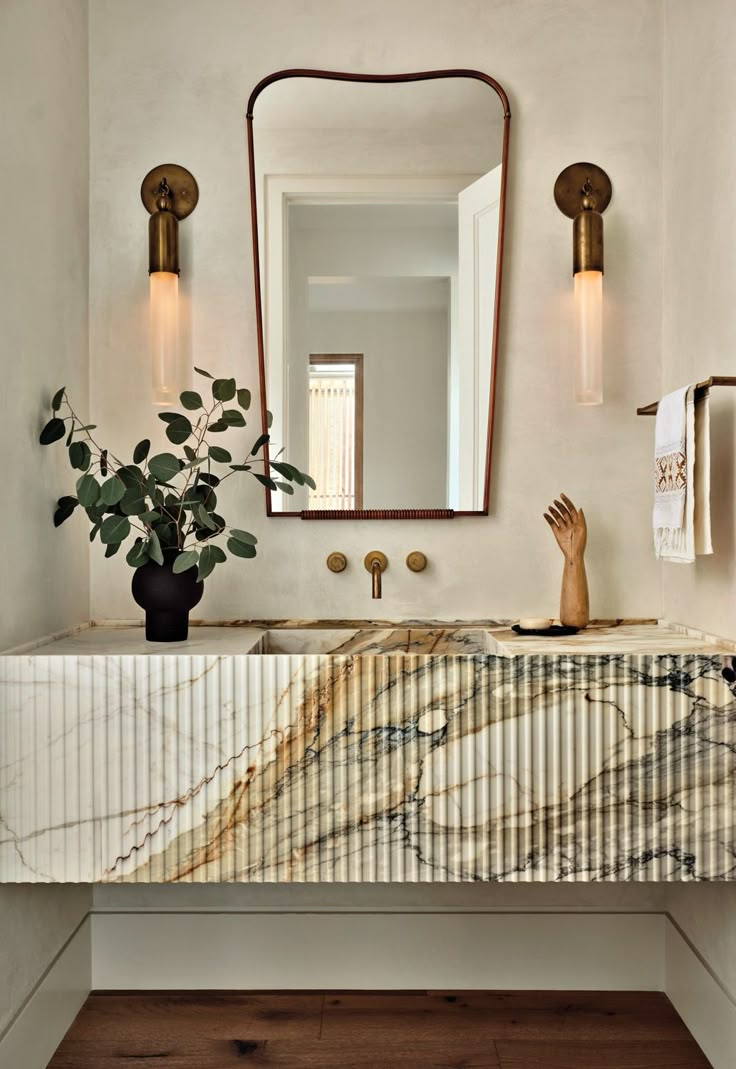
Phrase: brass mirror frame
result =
(381, 79)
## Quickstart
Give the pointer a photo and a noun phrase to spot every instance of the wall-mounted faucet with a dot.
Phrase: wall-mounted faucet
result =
(376, 563)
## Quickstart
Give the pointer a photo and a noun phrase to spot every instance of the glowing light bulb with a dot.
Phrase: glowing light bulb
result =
(165, 360)
(589, 337)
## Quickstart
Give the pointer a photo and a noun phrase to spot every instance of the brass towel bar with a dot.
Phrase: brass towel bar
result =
(700, 388)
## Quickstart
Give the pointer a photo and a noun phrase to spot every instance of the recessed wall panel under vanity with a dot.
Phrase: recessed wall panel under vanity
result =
(366, 754)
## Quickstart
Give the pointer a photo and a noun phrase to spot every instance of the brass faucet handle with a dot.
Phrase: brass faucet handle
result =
(416, 561)
(380, 558)
(337, 562)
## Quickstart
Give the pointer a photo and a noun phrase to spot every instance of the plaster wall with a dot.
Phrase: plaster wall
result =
(699, 339)
(43, 308)
(179, 90)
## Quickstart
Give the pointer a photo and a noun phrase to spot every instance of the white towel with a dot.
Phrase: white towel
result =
(681, 515)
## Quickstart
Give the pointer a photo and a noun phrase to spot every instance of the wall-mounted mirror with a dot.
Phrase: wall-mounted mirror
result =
(378, 211)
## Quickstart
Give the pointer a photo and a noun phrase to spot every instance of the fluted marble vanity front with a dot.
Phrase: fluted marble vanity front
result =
(359, 753)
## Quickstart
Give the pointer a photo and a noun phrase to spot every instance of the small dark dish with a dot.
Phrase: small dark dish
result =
(556, 631)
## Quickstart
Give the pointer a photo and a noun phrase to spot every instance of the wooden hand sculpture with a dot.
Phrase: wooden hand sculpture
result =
(569, 528)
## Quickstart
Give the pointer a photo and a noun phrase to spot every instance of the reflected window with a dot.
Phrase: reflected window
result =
(336, 430)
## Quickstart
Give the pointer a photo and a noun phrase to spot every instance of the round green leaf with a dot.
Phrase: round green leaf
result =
(141, 451)
(88, 491)
(132, 476)
(154, 548)
(244, 536)
(185, 560)
(244, 399)
(240, 549)
(96, 514)
(232, 417)
(164, 466)
(179, 430)
(53, 431)
(114, 529)
(132, 503)
(223, 390)
(79, 455)
(191, 400)
(112, 491)
(137, 555)
(204, 517)
(207, 562)
(64, 508)
(219, 454)
(209, 556)
(57, 399)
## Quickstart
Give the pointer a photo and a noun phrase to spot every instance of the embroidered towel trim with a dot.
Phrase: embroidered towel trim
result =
(670, 471)
(681, 516)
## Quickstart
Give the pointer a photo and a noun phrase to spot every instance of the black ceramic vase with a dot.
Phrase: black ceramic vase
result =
(167, 598)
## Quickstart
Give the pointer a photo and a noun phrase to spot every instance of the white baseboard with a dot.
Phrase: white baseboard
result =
(150, 951)
(704, 1006)
(37, 1029)
(246, 951)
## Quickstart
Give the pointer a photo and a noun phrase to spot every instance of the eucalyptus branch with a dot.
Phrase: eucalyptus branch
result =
(164, 533)
(87, 436)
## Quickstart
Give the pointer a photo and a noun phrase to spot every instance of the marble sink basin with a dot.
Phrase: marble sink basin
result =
(440, 641)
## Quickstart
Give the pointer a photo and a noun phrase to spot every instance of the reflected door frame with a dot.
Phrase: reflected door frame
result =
(281, 191)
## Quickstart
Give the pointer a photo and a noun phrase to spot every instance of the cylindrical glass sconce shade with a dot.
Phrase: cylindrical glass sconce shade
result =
(589, 337)
(165, 356)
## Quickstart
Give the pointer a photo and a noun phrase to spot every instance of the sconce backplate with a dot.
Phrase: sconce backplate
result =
(181, 182)
(569, 188)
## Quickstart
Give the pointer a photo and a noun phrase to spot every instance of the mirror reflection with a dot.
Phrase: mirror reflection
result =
(379, 211)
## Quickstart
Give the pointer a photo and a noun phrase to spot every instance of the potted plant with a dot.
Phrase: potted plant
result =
(167, 502)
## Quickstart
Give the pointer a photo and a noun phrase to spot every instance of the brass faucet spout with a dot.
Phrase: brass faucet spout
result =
(376, 563)
(376, 575)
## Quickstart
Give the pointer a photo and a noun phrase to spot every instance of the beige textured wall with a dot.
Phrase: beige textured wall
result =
(43, 309)
(177, 90)
(43, 298)
(699, 339)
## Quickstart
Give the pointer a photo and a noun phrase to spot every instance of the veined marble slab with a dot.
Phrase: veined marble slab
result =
(208, 763)
(605, 638)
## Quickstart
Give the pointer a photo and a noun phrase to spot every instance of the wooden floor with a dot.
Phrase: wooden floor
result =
(388, 1030)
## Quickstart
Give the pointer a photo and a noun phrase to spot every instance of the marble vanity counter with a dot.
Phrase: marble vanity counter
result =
(359, 752)
(619, 637)
(365, 637)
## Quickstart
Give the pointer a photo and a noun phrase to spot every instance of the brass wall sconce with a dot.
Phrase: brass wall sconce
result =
(170, 193)
(583, 192)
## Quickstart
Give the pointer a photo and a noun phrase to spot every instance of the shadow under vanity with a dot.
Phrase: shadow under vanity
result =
(294, 751)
